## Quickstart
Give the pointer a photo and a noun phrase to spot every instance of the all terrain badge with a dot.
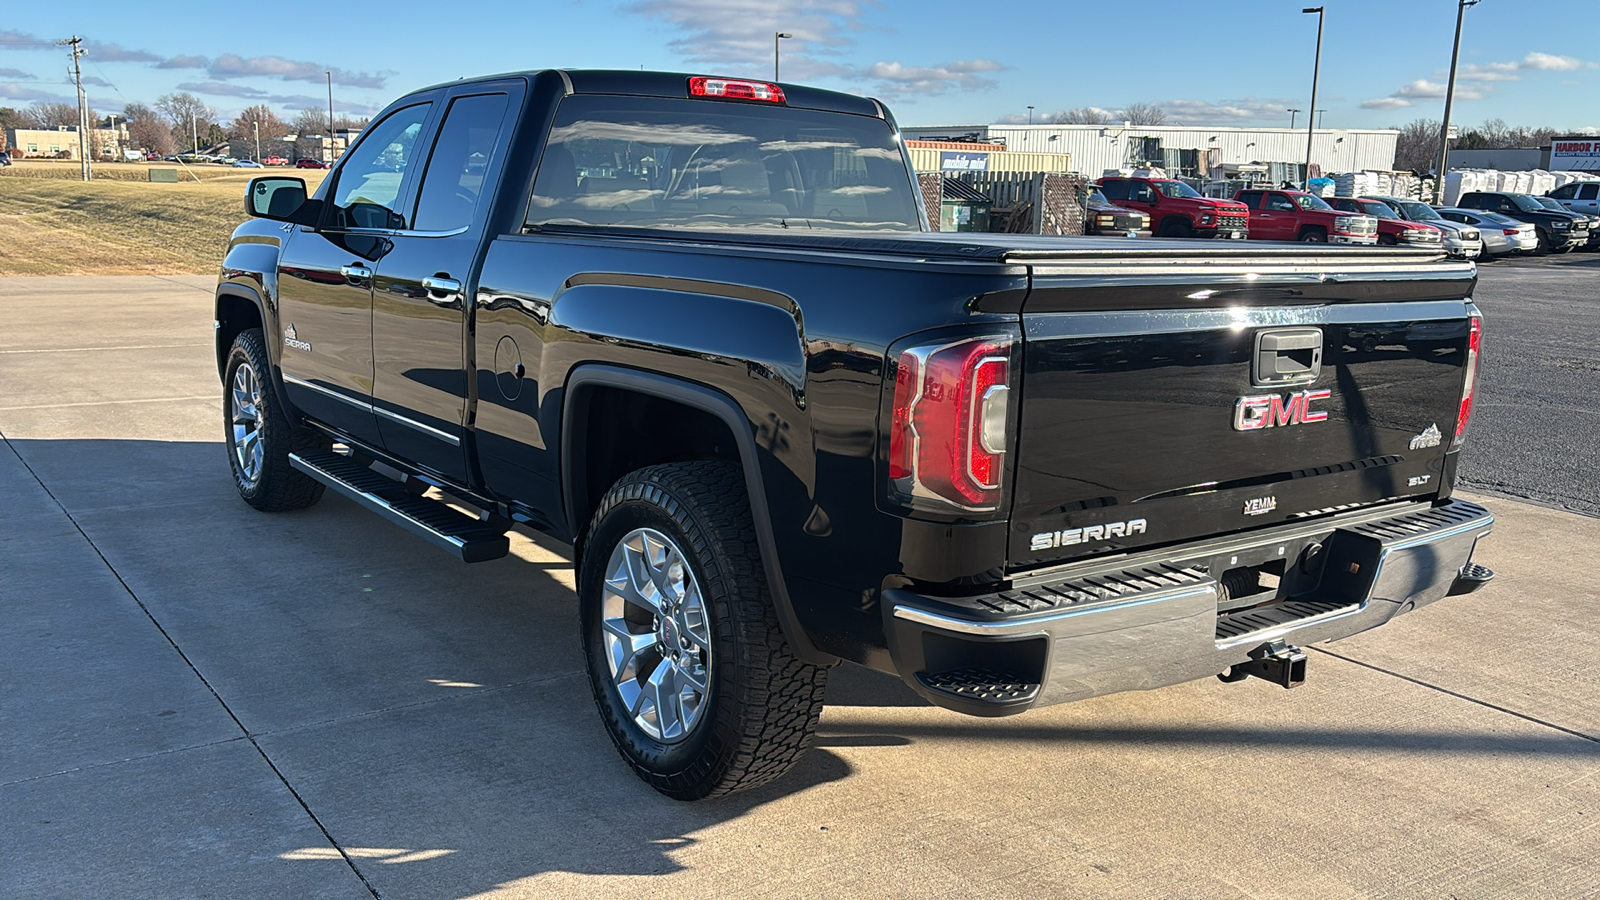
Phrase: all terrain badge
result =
(1430, 437)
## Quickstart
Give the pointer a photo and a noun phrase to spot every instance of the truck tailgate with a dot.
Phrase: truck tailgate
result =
(1169, 402)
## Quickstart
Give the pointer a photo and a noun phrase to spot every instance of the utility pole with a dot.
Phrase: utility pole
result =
(1316, 70)
(776, 37)
(1449, 99)
(330, 117)
(77, 52)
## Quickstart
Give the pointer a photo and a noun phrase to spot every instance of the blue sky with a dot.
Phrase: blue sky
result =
(1238, 62)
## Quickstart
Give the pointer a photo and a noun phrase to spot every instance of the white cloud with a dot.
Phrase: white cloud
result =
(1423, 89)
(1385, 103)
(736, 36)
(1549, 62)
(1489, 72)
(118, 53)
(184, 62)
(13, 91)
(1205, 112)
(222, 89)
(16, 73)
(964, 75)
(231, 65)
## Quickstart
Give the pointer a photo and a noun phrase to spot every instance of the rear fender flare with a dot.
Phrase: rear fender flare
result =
(586, 378)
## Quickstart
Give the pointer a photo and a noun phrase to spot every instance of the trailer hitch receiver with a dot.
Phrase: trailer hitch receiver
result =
(1280, 663)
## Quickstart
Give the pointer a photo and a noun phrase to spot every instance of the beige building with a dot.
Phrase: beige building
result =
(62, 142)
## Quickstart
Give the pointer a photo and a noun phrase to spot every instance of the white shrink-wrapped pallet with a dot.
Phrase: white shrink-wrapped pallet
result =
(1543, 182)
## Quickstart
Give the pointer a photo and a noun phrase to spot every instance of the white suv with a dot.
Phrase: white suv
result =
(1579, 196)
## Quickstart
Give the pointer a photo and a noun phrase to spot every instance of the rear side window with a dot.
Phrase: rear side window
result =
(453, 182)
(650, 162)
(1251, 199)
(1114, 189)
(1589, 192)
(1565, 192)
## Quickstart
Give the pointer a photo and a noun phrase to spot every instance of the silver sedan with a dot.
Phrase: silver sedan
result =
(1500, 234)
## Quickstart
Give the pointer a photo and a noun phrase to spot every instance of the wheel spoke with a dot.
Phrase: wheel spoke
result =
(663, 689)
(628, 648)
(696, 677)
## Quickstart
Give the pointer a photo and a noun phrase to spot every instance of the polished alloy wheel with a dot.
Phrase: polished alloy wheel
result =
(246, 416)
(656, 634)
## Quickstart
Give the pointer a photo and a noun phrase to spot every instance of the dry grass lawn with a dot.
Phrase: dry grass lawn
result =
(52, 226)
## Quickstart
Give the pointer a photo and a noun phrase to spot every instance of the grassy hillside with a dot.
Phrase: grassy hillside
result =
(51, 226)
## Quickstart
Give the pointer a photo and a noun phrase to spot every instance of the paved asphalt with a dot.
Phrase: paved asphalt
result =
(199, 700)
(1536, 422)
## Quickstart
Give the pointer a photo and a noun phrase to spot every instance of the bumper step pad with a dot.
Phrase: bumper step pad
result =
(467, 538)
(982, 685)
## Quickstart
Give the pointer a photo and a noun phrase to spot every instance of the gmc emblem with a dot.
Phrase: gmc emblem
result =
(1274, 411)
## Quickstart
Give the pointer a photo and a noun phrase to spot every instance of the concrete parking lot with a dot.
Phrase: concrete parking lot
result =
(199, 700)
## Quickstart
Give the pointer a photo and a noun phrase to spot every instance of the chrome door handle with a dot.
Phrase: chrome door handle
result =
(355, 274)
(439, 285)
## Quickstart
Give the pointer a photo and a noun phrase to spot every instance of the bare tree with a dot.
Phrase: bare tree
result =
(1144, 114)
(1087, 115)
(147, 130)
(309, 121)
(1417, 149)
(255, 120)
(187, 116)
(51, 115)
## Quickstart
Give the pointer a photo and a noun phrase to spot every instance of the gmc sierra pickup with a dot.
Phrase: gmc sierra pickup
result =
(699, 328)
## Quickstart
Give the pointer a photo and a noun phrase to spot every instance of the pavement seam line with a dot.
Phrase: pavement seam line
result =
(192, 287)
(245, 732)
(103, 403)
(1458, 695)
(117, 762)
(100, 349)
(457, 697)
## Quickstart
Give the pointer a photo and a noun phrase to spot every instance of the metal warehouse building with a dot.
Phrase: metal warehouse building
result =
(1191, 150)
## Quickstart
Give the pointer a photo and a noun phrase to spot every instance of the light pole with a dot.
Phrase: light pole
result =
(116, 139)
(330, 117)
(256, 127)
(1449, 99)
(1292, 113)
(1030, 115)
(1316, 70)
(194, 130)
(776, 37)
(1320, 114)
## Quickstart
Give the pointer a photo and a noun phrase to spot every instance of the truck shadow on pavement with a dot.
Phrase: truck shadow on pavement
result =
(435, 718)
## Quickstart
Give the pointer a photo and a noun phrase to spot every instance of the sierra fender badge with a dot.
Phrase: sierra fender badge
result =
(1276, 411)
(1260, 506)
(290, 339)
(1430, 437)
(1051, 539)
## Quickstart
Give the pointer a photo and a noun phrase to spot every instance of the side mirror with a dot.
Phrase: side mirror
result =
(280, 199)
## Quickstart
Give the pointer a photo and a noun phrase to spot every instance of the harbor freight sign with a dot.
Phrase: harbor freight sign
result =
(961, 161)
(1581, 154)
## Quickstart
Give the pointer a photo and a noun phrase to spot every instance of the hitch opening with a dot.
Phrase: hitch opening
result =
(1280, 663)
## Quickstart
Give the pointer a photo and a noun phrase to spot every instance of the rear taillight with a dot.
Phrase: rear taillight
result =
(1510, 232)
(948, 428)
(729, 89)
(1470, 385)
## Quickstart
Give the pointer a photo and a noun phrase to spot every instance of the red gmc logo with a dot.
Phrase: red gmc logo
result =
(1274, 411)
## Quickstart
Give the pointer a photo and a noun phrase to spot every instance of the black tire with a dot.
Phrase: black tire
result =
(1544, 241)
(761, 706)
(1176, 227)
(277, 486)
(1314, 236)
(1388, 240)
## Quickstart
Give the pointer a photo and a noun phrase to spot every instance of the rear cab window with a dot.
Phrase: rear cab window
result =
(652, 162)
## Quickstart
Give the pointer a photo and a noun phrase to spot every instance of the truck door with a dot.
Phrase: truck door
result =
(420, 306)
(325, 281)
(1587, 199)
(1279, 215)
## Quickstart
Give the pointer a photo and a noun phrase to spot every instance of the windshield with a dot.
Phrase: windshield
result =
(1496, 218)
(1526, 203)
(1307, 201)
(1097, 198)
(1176, 189)
(652, 163)
(1420, 212)
(1379, 209)
(1551, 203)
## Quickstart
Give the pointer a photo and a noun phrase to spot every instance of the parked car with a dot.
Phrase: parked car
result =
(1393, 228)
(1559, 231)
(153, 157)
(275, 161)
(1299, 216)
(1593, 220)
(1176, 209)
(1501, 235)
(1460, 240)
(304, 163)
(5, 158)
(1104, 217)
(1579, 196)
(246, 164)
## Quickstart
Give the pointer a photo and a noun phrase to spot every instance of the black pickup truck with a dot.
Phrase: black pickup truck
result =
(699, 329)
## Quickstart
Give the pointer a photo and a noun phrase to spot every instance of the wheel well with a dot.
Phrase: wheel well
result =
(234, 315)
(1306, 228)
(620, 430)
(1178, 219)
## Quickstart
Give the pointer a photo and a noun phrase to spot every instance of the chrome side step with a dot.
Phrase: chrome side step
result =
(468, 539)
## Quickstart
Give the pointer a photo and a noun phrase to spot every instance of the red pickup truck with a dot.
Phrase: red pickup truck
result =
(1299, 216)
(1392, 229)
(1177, 210)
